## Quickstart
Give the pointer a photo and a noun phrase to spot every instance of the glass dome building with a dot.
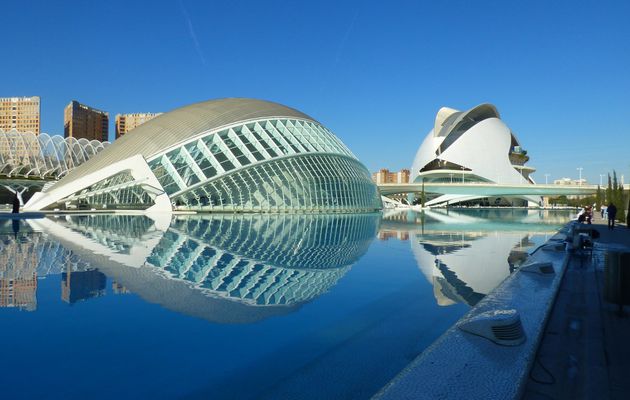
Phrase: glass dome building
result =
(227, 155)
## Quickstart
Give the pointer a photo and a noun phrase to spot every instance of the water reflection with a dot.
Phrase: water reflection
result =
(466, 253)
(238, 269)
(82, 285)
(29, 255)
(18, 268)
(223, 268)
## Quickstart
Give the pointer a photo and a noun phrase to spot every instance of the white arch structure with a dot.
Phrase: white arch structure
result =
(27, 155)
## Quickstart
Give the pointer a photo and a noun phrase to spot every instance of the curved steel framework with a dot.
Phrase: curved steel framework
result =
(266, 165)
(26, 155)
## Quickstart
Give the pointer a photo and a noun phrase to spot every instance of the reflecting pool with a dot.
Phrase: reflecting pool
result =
(242, 306)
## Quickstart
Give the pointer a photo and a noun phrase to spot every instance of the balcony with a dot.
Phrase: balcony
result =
(518, 156)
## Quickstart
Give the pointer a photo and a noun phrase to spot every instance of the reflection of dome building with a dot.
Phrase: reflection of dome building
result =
(221, 155)
(472, 146)
(263, 260)
(225, 268)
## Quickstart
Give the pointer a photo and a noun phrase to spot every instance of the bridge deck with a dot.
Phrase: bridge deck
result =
(487, 189)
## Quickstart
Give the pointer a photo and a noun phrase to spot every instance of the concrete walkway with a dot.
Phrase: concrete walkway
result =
(585, 350)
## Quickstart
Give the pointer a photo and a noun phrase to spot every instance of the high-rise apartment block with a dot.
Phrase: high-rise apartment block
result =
(20, 113)
(81, 121)
(384, 176)
(126, 122)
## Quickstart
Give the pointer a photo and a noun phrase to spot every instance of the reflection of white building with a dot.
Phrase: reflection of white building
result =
(464, 267)
(471, 146)
(466, 253)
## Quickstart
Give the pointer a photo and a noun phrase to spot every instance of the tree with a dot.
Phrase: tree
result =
(617, 198)
(621, 209)
(598, 198)
(615, 195)
(628, 216)
(609, 191)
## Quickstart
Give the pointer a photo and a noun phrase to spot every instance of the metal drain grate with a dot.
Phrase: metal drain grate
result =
(509, 332)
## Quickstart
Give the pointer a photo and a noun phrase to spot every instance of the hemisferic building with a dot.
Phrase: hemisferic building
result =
(226, 155)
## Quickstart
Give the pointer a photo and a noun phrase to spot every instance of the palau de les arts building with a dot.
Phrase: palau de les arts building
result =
(472, 146)
(227, 155)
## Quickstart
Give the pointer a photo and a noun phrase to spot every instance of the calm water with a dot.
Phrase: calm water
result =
(241, 306)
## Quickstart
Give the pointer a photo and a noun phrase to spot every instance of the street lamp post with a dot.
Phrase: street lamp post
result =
(580, 180)
(463, 168)
(601, 179)
(546, 179)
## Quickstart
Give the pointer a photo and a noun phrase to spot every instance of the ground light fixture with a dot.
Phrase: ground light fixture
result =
(502, 327)
(540, 267)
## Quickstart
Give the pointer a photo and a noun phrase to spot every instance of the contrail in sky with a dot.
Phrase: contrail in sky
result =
(344, 39)
(193, 35)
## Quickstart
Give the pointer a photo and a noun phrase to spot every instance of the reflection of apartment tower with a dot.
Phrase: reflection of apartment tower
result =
(20, 113)
(126, 122)
(385, 176)
(18, 274)
(82, 285)
(19, 291)
(81, 121)
(118, 288)
(386, 235)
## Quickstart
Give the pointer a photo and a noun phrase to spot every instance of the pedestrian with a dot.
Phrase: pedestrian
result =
(612, 213)
(16, 204)
(581, 217)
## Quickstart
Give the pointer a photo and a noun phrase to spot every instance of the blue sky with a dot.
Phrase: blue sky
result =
(373, 72)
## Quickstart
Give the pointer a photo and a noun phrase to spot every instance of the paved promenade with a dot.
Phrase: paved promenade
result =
(585, 350)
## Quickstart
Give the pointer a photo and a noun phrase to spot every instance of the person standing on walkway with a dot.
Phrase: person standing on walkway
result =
(612, 213)
(16, 204)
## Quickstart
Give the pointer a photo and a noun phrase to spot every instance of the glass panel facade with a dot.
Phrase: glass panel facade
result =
(218, 153)
(119, 191)
(309, 183)
(266, 165)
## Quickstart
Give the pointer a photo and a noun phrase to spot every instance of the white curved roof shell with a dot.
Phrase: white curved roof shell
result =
(476, 142)
(183, 124)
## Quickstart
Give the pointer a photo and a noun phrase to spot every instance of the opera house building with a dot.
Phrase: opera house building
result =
(230, 155)
(468, 147)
